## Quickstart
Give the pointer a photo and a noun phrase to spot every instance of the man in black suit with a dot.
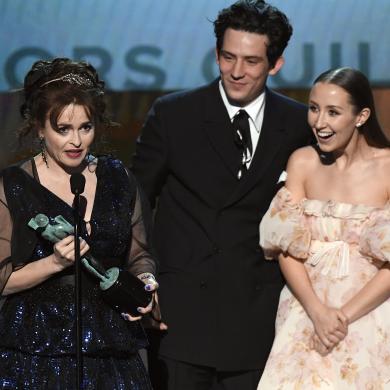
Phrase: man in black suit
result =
(214, 170)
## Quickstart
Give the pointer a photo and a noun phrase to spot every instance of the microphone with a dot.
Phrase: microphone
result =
(77, 183)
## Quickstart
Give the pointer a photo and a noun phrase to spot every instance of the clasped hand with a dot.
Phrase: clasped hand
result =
(331, 326)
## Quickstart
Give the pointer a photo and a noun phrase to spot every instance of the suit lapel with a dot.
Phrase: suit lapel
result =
(270, 141)
(218, 128)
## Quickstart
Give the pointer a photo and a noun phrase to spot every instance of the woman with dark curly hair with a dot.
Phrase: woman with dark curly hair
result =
(64, 109)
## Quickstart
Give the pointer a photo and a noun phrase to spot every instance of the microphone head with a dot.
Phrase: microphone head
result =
(77, 183)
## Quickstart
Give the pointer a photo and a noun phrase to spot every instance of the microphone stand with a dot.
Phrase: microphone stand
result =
(77, 182)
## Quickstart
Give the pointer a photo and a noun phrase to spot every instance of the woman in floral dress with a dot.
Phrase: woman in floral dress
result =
(330, 228)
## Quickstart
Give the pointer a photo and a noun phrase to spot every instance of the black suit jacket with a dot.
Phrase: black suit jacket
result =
(218, 295)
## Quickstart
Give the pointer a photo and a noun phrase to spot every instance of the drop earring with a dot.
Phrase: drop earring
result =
(43, 150)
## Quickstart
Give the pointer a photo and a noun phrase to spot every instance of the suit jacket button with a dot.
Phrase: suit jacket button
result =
(217, 250)
(203, 284)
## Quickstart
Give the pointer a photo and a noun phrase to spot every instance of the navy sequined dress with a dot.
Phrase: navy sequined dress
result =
(37, 338)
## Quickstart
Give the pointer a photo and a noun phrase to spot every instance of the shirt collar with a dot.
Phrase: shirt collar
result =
(253, 109)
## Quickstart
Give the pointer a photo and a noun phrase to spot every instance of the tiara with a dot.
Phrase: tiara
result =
(72, 78)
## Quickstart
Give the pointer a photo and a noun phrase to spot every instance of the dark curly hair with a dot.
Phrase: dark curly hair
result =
(256, 16)
(50, 86)
(356, 84)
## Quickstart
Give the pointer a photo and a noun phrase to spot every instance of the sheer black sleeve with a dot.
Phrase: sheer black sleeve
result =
(5, 239)
(140, 257)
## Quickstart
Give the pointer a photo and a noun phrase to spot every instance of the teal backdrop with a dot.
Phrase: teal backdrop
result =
(144, 48)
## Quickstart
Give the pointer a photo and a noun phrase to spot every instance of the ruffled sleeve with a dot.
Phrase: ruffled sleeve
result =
(375, 238)
(283, 228)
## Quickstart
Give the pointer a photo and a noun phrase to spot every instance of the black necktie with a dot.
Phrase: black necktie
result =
(242, 139)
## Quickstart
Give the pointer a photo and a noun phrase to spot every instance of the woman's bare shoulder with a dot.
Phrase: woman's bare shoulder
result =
(301, 165)
(304, 157)
(382, 164)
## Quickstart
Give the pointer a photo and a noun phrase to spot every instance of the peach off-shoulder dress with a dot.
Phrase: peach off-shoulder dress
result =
(342, 247)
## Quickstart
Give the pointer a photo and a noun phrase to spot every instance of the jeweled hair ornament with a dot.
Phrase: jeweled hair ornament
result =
(72, 78)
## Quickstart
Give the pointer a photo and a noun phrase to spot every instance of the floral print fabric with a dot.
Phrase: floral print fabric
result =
(342, 247)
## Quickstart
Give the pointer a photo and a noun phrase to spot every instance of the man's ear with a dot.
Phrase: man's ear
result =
(278, 65)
